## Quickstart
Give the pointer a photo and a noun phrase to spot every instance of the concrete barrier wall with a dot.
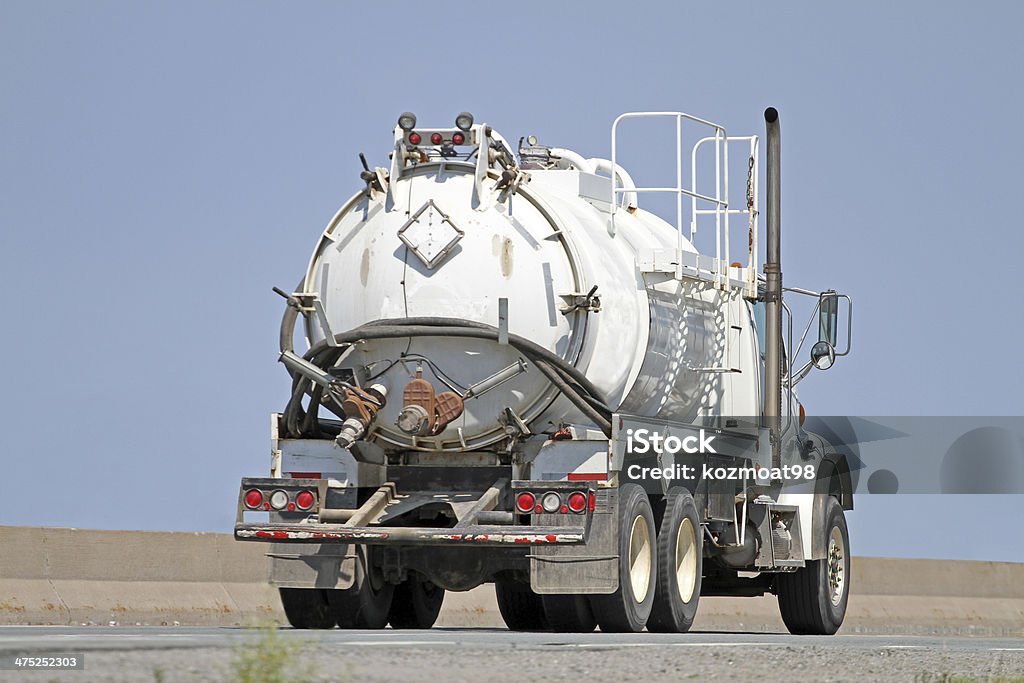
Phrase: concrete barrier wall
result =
(77, 576)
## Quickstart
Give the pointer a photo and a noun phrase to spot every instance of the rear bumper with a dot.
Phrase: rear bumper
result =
(359, 525)
(494, 536)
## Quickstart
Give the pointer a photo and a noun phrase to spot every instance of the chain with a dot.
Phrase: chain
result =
(750, 206)
(750, 184)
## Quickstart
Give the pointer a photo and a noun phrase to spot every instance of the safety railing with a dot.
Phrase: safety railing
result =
(714, 205)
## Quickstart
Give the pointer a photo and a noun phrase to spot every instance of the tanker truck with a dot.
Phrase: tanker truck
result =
(504, 369)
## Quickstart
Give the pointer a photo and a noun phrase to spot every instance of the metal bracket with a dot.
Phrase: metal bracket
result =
(514, 425)
(576, 301)
(503, 321)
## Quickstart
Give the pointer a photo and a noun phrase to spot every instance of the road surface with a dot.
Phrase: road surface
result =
(449, 655)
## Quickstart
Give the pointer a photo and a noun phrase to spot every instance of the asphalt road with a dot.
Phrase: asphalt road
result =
(444, 654)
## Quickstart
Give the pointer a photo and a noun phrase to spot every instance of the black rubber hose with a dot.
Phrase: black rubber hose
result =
(447, 327)
(311, 423)
(603, 423)
(381, 331)
(585, 396)
(521, 343)
(293, 411)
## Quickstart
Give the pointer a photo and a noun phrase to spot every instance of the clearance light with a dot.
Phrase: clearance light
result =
(458, 138)
(407, 120)
(436, 139)
(415, 138)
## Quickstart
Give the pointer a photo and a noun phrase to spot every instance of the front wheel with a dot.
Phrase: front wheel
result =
(813, 599)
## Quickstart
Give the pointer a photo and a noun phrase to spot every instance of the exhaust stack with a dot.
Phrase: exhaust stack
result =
(773, 289)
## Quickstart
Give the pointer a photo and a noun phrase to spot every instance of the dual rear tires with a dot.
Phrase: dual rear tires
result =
(371, 603)
(659, 565)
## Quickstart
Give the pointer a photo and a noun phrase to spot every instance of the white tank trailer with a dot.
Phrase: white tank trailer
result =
(513, 374)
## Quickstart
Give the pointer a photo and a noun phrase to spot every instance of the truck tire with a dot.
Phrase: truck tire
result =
(680, 549)
(627, 609)
(569, 613)
(813, 599)
(306, 607)
(520, 607)
(367, 603)
(416, 603)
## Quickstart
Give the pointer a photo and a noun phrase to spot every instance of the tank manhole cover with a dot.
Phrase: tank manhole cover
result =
(430, 234)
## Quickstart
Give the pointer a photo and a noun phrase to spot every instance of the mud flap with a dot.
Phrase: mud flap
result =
(589, 568)
(312, 566)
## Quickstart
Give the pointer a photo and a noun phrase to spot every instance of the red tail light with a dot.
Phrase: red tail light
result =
(304, 500)
(253, 498)
(577, 502)
(525, 501)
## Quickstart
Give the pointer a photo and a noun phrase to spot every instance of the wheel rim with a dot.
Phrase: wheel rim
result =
(836, 566)
(686, 560)
(640, 558)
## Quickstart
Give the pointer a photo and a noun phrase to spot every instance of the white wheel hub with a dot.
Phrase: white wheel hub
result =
(640, 558)
(686, 560)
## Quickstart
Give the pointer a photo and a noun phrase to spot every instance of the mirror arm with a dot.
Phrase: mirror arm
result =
(800, 374)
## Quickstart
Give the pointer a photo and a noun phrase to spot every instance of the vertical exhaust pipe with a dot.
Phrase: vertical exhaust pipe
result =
(773, 289)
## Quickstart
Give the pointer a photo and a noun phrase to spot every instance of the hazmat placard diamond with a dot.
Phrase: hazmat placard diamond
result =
(430, 234)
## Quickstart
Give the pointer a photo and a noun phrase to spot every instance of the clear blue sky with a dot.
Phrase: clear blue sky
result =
(163, 166)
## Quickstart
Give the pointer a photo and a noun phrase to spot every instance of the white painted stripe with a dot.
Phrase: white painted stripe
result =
(392, 642)
(739, 644)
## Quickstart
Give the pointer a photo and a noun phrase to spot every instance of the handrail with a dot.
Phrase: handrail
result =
(701, 203)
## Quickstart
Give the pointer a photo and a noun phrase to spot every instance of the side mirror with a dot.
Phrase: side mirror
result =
(823, 355)
(828, 318)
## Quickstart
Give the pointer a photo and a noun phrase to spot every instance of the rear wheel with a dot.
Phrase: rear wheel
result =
(520, 607)
(416, 604)
(367, 603)
(306, 607)
(569, 613)
(680, 549)
(813, 599)
(628, 608)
